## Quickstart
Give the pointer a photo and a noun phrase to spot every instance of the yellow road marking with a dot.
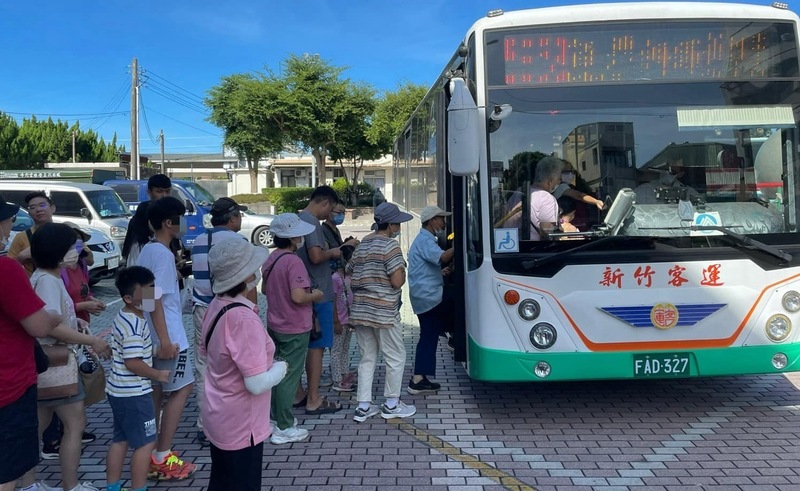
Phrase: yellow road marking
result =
(484, 470)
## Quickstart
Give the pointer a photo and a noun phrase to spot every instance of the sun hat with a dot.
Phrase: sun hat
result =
(7, 210)
(225, 205)
(389, 213)
(431, 212)
(82, 234)
(232, 261)
(289, 225)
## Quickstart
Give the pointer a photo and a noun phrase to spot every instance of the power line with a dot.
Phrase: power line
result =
(119, 97)
(176, 100)
(185, 124)
(66, 115)
(146, 123)
(188, 93)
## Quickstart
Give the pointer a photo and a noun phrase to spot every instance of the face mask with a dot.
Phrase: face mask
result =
(182, 228)
(338, 219)
(396, 234)
(251, 285)
(70, 258)
(148, 305)
(79, 246)
(301, 243)
(567, 177)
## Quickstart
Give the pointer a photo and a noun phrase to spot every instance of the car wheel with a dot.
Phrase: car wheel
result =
(262, 236)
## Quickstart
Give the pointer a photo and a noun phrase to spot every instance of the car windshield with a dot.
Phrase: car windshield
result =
(107, 203)
(203, 197)
(683, 152)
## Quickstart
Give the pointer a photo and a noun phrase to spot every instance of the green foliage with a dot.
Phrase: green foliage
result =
(244, 199)
(33, 143)
(341, 187)
(391, 113)
(288, 200)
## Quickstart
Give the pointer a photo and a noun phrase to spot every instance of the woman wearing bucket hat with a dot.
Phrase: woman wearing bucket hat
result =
(378, 273)
(289, 318)
(240, 370)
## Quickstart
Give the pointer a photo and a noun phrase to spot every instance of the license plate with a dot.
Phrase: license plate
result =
(661, 365)
(112, 263)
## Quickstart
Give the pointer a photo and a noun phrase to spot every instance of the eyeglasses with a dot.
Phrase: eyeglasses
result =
(40, 206)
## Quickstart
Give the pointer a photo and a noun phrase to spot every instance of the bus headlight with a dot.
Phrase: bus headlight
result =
(791, 301)
(778, 327)
(542, 369)
(543, 335)
(779, 361)
(529, 309)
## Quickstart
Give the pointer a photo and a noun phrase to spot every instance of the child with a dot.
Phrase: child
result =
(566, 213)
(129, 387)
(343, 378)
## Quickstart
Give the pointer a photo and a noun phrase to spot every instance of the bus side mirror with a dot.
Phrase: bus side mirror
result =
(85, 213)
(462, 130)
(189, 207)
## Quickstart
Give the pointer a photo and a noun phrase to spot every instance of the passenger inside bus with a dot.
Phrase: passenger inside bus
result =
(542, 208)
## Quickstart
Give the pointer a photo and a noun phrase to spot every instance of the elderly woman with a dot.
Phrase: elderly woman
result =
(240, 371)
(53, 248)
(378, 273)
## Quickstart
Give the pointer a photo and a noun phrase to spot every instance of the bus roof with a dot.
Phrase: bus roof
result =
(634, 11)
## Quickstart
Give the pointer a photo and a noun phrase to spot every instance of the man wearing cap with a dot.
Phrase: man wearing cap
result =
(22, 318)
(226, 218)
(378, 273)
(425, 261)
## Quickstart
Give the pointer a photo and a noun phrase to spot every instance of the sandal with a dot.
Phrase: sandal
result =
(344, 386)
(326, 407)
(301, 403)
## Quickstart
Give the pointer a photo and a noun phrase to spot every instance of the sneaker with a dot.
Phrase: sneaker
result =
(50, 451)
(326, 380)
(172, 469)
(40, 486)
(361, 415)
(85, 486)
(424, 386)
(399, 411)
(88, 437)
(289, 435)
(202, 438)
(451, 345)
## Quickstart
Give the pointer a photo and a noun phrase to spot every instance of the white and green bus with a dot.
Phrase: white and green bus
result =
(683, 119)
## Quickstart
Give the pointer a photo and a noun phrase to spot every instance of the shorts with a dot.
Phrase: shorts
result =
(180, 367)
(134, 419)
(19, 439)
(324, 313)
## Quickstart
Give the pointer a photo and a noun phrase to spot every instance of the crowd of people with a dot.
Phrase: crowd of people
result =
(247, 366)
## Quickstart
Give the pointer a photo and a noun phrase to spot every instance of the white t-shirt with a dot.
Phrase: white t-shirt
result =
(157, 257)
(53, 293)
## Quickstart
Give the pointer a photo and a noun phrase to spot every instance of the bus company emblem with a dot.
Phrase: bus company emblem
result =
(663, 315)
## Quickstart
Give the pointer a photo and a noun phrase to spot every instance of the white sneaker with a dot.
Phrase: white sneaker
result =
(361, 415)
(289, 435)
(273, 425)
(40, 486)
(399, 411)
(85, 486)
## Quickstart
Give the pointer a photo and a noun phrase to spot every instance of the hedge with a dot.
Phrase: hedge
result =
(288, 200)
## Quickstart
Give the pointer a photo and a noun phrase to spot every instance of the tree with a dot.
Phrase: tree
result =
(241, 106)
(392, 112)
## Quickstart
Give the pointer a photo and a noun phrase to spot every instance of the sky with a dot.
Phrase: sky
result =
(71, 60)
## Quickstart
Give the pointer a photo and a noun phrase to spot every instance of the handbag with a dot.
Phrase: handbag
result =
(93, 377)
(40, 357)
(60, 380)
(316, 330)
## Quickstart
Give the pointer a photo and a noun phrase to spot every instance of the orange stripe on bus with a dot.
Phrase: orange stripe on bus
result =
(655, 345)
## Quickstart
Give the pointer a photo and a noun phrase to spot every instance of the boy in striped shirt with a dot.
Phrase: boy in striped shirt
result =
(129, 384)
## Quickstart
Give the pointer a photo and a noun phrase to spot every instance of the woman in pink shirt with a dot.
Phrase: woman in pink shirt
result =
(240, 370)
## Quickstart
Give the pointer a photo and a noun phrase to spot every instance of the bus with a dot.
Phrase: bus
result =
(76, 174)
(682, 118)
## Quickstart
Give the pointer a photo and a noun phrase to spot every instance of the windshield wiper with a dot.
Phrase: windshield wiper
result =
(541, 261)
(736, 238)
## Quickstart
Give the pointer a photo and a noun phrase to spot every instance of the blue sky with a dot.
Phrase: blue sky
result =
(71, 59)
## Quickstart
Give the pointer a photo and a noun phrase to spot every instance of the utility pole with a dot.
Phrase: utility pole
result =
(73, 147)
(135, 119)
(161, 139)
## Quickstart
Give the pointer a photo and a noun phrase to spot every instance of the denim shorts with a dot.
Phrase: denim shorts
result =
(134, 419)
(324, 313)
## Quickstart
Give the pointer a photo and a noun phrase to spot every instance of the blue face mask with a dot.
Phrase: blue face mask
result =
(338, 219)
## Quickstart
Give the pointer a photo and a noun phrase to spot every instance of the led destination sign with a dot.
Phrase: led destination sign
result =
(642, 51)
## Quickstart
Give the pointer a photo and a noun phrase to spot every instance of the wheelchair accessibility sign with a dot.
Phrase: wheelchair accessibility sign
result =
(506, 240)
(707, 218)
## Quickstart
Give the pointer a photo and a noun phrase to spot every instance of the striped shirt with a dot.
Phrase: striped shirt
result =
(375, 302)
(202, 293)
(130, 338)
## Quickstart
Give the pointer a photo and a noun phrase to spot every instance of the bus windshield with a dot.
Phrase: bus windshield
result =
(685, 153)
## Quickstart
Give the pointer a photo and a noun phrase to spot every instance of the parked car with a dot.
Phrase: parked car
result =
(198, 207)
(105, 251)
(87, 205)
